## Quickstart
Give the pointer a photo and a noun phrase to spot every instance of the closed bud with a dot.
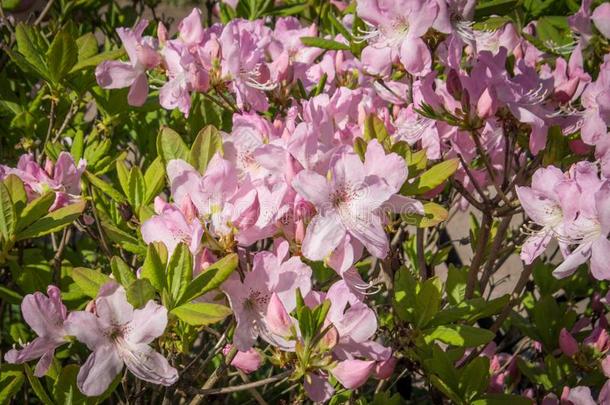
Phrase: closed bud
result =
(567, 343)
(277, 319)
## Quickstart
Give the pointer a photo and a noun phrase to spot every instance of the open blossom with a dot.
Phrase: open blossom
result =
(271, 273)
(120, 335)
(396, 28)
(142, 57)
(63, 178)
(46, 316)
(352, 200)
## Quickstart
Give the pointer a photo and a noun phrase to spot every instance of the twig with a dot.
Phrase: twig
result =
(255, 394)
(479, 253)
(44, 12)
(242, 387)
(421, 258)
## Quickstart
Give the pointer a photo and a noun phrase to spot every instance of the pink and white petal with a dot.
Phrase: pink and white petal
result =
(534, 246)
(44, 363)
(347, 168)
(324, 233)
(314, 188)
(579, 256)
(601, 19)
(86, 327)
(33, 350)
(358, 323)
(317, 387)
(112, 305)
(377, 61)
(149, 365)
(600, 259)
(148, 323)
(367, 228)
(112, 74)
(98, 372)
(390, 167)
(415, 56)
(138, 92)
(580, 396)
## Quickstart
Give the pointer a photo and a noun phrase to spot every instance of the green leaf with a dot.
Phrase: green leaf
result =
(432, 178)
(136, 187)
(89, 281)
(556, 148)
(140, 292)
(30, 45)
(78, 145)
(459, 335)
(455, 286)
(17, 192)
(121, 271)
(97, 59)
(201, 313)
(428, 301)
(104, 187)
(433, 215)
(210, 278)
(154, 180)
(471, 310)
(502, 399)
(171, 146)
(207, 143)
(10, 383)
(36, 209)
(61, 56)
(39, 390)
(374, 128)
(87, 46)
(124, 239)
(153, 268)
(360, 146)
(405, 293)
(65, 390)
(123, 174)
(324, 43)
(7, 214)
(475, 378)
(179, 271)
(497, 7)
(53, 221)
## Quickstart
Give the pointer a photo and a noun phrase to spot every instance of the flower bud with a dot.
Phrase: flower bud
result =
(385, 369)
(567, 343)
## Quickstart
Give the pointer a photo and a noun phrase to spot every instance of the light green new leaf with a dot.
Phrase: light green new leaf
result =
(7, 214)
(210, 278)
(154, 180)
(136, 187)
(61, 56)
(179, 271)
(324, 43)
(104, 187)
(431, 178)
(207, 143)
(201, 313)
(36, 209)
(459, 335)
(16, 190)
(121, 271)
(154, 268)
(140, 292)
(89, 281)
(171, 146)
(53, 221)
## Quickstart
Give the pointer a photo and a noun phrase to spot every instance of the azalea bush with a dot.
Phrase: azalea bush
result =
(373, 201)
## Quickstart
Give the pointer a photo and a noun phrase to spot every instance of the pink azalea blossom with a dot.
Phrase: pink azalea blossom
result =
(142, 57)
(271, 273)
(120, 335)
(46, 316)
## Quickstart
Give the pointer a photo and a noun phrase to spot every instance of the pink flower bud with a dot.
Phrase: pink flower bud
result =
(353, 373)
(606, 366)
(385, 369)
(567, 343)
(162, 34)
(330, 339)
(245, 361)
(277, 319)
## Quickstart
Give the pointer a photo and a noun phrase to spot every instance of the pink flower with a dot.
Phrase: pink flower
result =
(271, 273)
(601, 19)
(395, 33)
(63, 178)
(142, 57)
(120, 335)
(352, 199)
(567, 343)
(173, 225)
(46, 316)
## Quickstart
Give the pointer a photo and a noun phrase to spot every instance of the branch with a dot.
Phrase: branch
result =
(242, 387)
